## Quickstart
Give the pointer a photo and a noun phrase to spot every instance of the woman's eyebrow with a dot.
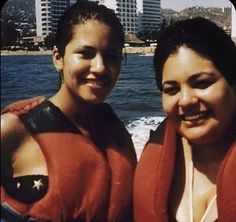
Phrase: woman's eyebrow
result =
(169, 82)
(191, 78)
(200, 74)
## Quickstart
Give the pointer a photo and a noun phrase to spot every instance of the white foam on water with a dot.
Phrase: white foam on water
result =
(140, 131)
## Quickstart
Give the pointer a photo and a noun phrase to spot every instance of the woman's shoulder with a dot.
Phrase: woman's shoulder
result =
(45, 118)
(10, 122)
(23, 106)
(13, 130)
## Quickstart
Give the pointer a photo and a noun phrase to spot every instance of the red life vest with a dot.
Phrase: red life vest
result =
(85, 183)
(154, 174)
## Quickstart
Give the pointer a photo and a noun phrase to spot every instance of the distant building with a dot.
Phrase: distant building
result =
(127, 12)
(227, 11)
(48, 13)
(151, 18)
(32, 39)
(57, 9)
(233, 24)
(43, 17)
(139, 21)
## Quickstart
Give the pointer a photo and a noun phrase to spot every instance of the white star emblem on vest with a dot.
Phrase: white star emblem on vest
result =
(37, 184)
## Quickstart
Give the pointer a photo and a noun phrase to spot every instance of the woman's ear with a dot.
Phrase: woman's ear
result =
(57, 59)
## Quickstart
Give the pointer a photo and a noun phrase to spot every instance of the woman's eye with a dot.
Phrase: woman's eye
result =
(203, 84)
(86, 54)
(170, 90)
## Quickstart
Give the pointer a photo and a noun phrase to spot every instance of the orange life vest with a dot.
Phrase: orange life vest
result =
(153, 178)
(85, 182)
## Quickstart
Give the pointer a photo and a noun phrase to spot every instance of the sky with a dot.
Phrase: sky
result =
(178, 5)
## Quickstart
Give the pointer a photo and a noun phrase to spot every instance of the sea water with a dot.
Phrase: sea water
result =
(135, 98)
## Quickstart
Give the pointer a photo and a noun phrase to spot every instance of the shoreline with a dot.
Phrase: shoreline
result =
(21, 52)
(128, 49)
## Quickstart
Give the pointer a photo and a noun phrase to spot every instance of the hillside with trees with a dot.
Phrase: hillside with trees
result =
(17, 20)
(214, 14)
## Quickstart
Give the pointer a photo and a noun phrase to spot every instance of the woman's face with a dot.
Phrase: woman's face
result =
(196, 97)
(91, 64)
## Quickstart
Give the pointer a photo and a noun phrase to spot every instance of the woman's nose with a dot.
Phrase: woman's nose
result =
(187, 97)
(98, 65)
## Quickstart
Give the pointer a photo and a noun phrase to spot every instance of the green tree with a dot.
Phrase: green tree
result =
(49, 41)
(9, 34)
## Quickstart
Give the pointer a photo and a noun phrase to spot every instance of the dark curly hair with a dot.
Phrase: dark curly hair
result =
(204, 37)
(79, 13)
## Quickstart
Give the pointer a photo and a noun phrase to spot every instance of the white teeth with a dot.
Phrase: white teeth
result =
(194, 117)
(94, 82)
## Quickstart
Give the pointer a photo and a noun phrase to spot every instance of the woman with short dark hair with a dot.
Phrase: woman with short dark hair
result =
(187, 169)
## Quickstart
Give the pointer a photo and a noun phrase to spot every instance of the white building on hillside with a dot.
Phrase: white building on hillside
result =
(48, 13)
(43, 17)
(57, 9)
(127, 12)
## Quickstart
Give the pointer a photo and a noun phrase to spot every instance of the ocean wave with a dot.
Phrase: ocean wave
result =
(140, 130)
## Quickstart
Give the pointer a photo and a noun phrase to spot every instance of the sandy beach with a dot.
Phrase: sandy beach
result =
(128, 49)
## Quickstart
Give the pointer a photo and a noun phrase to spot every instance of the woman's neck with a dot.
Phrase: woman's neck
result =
(71, 106)
(205, 159)
(208, 158)
(209, 153)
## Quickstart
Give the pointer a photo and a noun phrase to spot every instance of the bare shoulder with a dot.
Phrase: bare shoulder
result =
(20, 153)
(9, 118)
(10, 123)
(12, 130)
